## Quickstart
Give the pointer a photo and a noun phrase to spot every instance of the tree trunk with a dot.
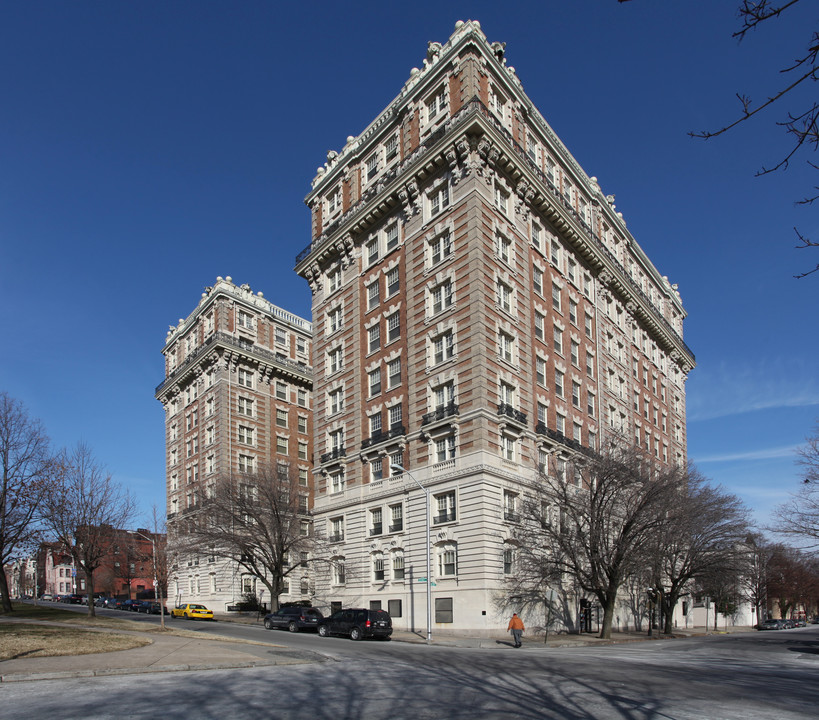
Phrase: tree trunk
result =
(670, 601)
(89, 589)
(4, 593)
(608, 602)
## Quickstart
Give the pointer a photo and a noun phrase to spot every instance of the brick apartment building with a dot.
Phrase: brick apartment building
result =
(238, 396)
(480, 311)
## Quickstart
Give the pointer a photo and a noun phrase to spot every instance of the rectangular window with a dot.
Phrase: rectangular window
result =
(558, 340)
(540, 322)
(374, 338)
(505, 346)
(394, 373)
(502, 202)
(245, 407)
(440, 248)
(576, 394)
(391, 147)
(445, 507)
(378, 569)
(373, 295)
(443, 610)
(303, 481)
(442, 297)
(301, 398)
(393, 282)
(588, 325)
(334, 360)
(281, 391)
(333, 279)
(556, 304)
(281, 418)
(395, 418)
(396, 518)
(555, 254)
(445, 448)
(435, 104)
(372, 251)
(281, 445)
(397, 569)
(575, 353)
(537, 280)
(540, 372)
(572, 312)
(334, 319)
(444, 347)
(336, 400)
(302, 451)
(394, 326)
(245, 378)
(439, 199)
(281, 336)
(394, 606)
(374, 382)
(447, 563)
(507, 448)
(372, 166)
(559, 383)
(504, 296)
(245, 463)
(245, 435)
(376, 522)
(375, 424)
(590, 403)
(392, 236)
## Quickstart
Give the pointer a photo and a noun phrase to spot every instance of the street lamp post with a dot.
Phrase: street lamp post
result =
(156, 580)
(400, 469)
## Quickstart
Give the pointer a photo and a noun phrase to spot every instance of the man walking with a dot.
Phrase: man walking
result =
(517, 628)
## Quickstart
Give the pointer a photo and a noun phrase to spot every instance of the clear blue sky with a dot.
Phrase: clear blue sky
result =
(147, 147)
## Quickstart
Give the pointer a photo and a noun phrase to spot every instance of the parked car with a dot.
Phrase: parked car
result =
(358, 623)
(293, 618)
(815, 620)
(46, 596)
(192, 611)
(789, 623)
(126, 605)
(101, 601)
(772, 624)
(800, 622)
(141, 606)
(154, 608)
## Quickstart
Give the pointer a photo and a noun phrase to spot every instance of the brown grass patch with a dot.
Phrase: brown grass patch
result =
(22, 640)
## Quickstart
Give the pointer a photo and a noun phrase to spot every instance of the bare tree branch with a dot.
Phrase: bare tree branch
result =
(27, 477)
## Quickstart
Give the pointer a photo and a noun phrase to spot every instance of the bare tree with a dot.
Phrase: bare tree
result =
(799, 516)
(84, 511)
(754, 577)
(596, 524)
(257, 521)
(28, 471)
(703, 535)
(800, 123)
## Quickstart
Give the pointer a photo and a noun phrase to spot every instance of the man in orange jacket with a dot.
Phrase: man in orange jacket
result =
(517, 628)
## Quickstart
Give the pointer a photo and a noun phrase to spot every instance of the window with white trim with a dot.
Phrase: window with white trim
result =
(441, 297)
(506, 345)
(335, 360)
(335, 400)
(393, 327)
(448, 560)
(440, 248)
(438, 199)
(393, 282)
(394, 373)
(445, 448)
(395, 416)
(443, 347)
(373, 295)
(391, 236)
(373, 338)
(374, 382)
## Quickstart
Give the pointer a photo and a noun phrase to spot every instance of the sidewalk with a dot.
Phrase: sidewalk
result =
(173, 653)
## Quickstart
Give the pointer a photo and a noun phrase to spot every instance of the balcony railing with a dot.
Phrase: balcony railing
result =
(542, 429)
(334, 454)
(396, 527)
(512, 412)
(336, 537)
(383, 436)
(377, 529)
(444, 516)
(440, 413)
(511, 516)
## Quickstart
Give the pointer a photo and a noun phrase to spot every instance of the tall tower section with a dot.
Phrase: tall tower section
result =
(238, 397)
(481, 313)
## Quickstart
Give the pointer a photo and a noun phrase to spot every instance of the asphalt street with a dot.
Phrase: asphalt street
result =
(752, 676)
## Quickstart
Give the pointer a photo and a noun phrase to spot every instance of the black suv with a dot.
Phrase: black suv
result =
(293, 618)
(358, 623)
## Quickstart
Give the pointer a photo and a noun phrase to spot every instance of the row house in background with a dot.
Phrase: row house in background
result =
(481, 312)
(237, 396)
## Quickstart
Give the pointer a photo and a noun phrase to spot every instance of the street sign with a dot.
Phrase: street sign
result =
(423, 580)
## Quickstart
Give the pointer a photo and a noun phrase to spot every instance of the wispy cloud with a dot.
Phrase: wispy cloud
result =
(769, 454)
(732, 389)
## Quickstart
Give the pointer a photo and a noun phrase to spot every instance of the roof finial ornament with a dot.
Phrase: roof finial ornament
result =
(433, 51)
(499, 48)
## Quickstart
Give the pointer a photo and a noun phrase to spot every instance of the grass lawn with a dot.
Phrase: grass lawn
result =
(22, 640)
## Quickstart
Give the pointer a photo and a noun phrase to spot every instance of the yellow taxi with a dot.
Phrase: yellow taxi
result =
(192, 611)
